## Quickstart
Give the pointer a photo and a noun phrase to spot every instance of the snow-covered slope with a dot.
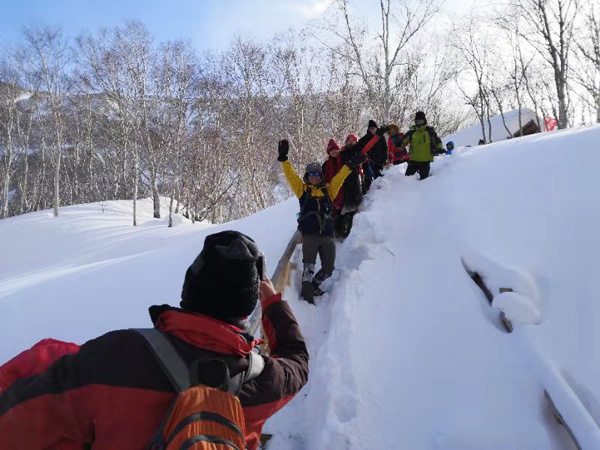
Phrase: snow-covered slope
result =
(471, 135)
(405, 351)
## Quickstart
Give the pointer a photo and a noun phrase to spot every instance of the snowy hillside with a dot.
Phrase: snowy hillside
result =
(405, 350)
(471, 135)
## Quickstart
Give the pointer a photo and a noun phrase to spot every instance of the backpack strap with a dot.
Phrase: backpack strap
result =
(256, 365)
(167, 356)
(434, 140)
(180, 375)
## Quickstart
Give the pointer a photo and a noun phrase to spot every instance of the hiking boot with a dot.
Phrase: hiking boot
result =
(317, 291)
(307, 293)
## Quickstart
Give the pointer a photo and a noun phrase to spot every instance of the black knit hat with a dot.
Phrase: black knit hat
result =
(420, 115)
(372, 124)
(223, 281)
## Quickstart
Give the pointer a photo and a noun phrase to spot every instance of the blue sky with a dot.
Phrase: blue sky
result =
(209, 24)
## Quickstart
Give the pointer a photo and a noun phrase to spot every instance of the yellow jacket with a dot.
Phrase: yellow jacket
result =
(300, 187)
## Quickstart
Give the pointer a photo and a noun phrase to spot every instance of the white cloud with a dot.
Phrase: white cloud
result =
(309, 8)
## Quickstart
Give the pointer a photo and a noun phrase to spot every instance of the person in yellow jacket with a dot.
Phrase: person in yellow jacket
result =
(315, 221)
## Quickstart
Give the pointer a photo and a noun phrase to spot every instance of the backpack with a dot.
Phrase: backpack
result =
(200, 417)
(322, 217)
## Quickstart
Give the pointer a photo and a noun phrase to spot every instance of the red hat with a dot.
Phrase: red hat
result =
(332, 145)
(353, 136)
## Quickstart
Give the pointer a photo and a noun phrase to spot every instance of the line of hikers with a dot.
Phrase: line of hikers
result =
(330, 194)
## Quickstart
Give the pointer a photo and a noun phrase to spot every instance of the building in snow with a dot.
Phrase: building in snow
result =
(506, 127)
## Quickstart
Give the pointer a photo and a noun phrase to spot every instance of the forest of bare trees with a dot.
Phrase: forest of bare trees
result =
(113, 114)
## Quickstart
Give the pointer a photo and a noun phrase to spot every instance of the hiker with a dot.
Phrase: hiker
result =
(354, 185)
(330, 168)
(113, 394)
(378, 154)
(315, 221)
(397, 154)
(424, 144)
(449, 147)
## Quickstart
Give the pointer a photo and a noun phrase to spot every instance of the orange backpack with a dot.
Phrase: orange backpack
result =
(200, 417)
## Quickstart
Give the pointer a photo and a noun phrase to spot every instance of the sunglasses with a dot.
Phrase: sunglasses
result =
(314, 174)
(419, 122)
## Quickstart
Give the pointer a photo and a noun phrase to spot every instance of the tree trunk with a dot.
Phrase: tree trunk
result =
(171, 211)
(156, 198)
(56, 202)
(5, 189)
(135, 189)
(23, 206)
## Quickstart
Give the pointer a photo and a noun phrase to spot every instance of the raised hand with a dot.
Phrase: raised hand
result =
(283, 148)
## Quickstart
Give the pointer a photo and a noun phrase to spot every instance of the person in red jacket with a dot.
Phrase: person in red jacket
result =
(113, 395)
(397, 153)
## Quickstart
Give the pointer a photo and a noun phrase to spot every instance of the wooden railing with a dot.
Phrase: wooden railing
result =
(280, 279)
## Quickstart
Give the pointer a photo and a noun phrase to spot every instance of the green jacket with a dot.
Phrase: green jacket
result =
(423, 142)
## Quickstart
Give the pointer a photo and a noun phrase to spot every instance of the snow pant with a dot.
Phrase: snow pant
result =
(313, 245)
(418, 166)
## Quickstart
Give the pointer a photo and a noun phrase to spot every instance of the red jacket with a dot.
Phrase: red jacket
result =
(330, 169)
(34, 360)
(113, 395)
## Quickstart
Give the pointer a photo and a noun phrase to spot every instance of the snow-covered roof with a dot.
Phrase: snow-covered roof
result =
(471, 135)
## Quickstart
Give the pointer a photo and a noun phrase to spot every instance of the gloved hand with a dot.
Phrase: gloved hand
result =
(382, 130)
(357, 160)
(283, 148)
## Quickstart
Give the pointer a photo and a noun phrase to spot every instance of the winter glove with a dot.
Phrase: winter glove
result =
(283, 149)
(382, 130)
(357, 160)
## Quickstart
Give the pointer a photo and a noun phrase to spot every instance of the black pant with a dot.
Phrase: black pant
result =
(418, 166)
(324, 246)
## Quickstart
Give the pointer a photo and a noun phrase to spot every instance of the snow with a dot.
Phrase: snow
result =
(471, 135)
(406, 352)
(522, 304)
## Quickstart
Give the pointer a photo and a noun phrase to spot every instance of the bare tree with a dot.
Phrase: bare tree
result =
(550, 30)
(47, 55)
(588, 75)
(376, 65)
(10, 91)
(475, 54)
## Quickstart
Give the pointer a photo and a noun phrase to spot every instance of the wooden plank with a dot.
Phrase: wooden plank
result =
(560, 419)
(280, 280)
